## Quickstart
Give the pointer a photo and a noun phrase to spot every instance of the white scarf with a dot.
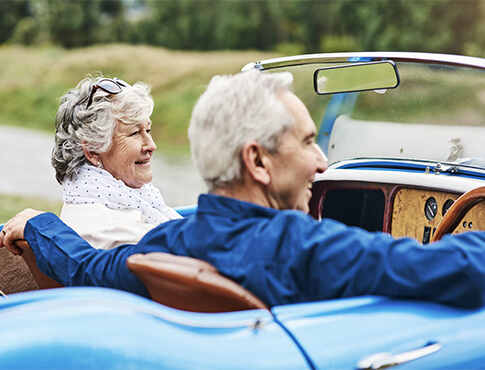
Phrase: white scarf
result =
(96, 185)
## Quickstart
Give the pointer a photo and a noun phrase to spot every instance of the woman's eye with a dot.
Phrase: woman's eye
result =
(134, 133)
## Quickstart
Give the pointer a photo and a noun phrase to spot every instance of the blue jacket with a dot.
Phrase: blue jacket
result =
(281, 256)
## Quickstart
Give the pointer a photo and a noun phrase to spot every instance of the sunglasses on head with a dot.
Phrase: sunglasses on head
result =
(110, 85)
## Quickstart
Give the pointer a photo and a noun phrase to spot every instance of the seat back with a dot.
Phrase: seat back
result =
(190, 284)
(42, 280)
(15, 275)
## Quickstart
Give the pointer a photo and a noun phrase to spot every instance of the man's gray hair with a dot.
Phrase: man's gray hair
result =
(94, 126)
(233, 111)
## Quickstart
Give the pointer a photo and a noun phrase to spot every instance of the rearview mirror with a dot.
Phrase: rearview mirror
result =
(352, 77)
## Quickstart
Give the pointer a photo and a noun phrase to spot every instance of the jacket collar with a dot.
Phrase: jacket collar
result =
(231, 207)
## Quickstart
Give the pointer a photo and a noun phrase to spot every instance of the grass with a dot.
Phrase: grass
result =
(12, 204)
(33, 79)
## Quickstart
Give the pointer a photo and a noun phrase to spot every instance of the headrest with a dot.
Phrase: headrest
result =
(190, 284)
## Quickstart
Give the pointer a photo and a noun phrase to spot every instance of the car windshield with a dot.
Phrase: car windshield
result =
(437, 113)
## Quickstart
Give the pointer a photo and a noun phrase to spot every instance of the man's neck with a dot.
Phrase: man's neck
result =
(251, 194)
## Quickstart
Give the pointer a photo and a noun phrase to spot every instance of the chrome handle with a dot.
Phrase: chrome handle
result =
(384, 359)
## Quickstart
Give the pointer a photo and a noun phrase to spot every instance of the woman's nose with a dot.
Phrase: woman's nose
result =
(149, 144)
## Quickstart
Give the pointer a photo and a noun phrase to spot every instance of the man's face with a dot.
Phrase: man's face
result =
(129, 158)
(293, 167)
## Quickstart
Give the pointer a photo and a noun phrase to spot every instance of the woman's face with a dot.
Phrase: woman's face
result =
(129, 158)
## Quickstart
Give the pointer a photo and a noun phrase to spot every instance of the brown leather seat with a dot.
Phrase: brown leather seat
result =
(190, 284)
(42, 280)
(15, 275)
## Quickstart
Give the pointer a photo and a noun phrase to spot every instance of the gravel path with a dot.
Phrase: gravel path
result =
(25, 162)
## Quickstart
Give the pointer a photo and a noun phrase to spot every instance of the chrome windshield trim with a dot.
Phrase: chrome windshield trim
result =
(442, 165)
(447, 59)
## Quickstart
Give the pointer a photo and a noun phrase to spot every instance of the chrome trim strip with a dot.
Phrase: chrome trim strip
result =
(448, 59)
(384, 360)
(423, 180)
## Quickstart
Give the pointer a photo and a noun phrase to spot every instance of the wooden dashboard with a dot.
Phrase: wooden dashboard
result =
(414, 213)
(396, 209)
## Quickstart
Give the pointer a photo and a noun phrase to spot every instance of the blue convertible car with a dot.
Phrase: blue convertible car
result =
(404, 136)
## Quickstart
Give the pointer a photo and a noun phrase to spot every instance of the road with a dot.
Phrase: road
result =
(26, 170)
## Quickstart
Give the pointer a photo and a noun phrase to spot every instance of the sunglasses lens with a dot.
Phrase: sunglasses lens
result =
(121, 82)
(109, 86)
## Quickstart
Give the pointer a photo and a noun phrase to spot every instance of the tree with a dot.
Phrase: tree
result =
(11, 12)
(417, 25)
(74, 23)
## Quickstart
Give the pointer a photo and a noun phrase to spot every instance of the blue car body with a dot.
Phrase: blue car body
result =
(99, 328)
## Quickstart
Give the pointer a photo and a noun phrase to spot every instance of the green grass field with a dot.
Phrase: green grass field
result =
(33, 79)
(12, 204)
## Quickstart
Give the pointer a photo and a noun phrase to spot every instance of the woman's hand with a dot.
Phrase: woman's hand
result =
(13, 230)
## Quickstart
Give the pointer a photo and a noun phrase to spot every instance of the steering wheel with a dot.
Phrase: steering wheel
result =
(457, 211)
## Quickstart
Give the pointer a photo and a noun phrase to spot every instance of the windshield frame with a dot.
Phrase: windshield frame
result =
(473, 63)
(444, 59)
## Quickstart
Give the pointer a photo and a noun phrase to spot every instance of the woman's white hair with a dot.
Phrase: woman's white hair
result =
(93, 127)
(233, 111)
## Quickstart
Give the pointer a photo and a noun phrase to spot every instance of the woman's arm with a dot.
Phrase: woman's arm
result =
(64, 256)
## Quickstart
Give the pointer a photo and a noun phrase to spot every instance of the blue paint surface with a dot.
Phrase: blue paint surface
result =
(98, 328)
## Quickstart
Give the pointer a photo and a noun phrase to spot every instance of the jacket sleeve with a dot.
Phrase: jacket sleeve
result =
(64, 256)
(347, 261)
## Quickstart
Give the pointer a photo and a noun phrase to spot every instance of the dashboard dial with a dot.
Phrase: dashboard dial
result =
(430, 208)
(446, 206)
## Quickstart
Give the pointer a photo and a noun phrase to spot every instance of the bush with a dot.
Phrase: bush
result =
(335, 44)
(26, 32)
(290, 48)
(474, 49)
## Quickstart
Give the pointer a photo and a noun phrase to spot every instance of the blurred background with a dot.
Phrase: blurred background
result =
(47, 46)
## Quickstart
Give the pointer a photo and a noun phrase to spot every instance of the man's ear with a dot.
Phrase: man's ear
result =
(256, 161)
(91, 156)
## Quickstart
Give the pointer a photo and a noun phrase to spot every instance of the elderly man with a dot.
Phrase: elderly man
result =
(253, 142)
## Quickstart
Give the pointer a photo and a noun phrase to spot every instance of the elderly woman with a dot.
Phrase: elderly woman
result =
(102, 158)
